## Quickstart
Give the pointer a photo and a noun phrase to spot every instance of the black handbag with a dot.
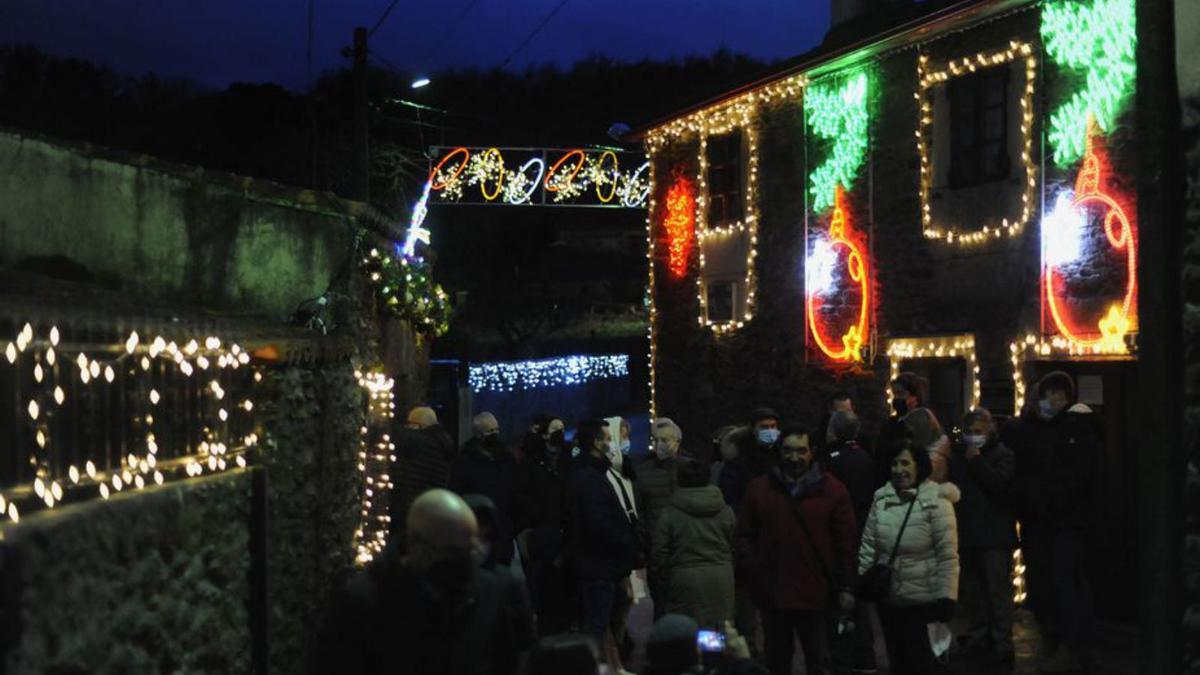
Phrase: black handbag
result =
(876, 583)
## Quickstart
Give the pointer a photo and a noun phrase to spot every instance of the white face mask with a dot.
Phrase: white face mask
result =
(1046, 409)
(768, 436)
(614, 456)
(975, 440)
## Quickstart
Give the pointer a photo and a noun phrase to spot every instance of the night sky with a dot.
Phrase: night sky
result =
(215, 42)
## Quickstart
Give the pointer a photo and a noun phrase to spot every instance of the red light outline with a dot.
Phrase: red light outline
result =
(550, 174)
(856, 263)
(433, 185)
(679, 223)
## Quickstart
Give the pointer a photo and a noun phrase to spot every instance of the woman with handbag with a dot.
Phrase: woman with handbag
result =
(908, 559)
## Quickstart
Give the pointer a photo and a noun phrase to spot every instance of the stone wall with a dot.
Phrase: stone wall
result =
(152, 582)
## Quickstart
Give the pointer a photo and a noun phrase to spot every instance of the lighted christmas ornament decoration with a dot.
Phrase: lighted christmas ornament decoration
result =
(836, 110)
(679, 224)
(819, 267)
(1097, 39)
(1063, 234)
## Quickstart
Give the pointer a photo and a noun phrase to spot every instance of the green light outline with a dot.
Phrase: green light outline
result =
(836, 110)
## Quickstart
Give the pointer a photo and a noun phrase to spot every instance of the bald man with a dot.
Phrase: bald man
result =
(429, 609)
(487, 467)
(424, 453)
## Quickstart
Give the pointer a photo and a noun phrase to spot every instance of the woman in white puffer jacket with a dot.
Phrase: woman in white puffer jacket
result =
(925, 572)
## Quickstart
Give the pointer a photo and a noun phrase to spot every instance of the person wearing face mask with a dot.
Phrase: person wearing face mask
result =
(487, 467)
(757, 452)
(908, 394)
(657, 481)
(983, 467)
(795, 544)
(600, 538)
(430, 606)
(537, 501)
(1056, 441)
(912, 518)
(623, 477)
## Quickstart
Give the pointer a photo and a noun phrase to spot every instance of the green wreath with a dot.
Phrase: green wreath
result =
(406, 290)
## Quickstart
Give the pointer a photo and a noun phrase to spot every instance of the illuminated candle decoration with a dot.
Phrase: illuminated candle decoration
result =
(836, 110)
(821, 283)
(1098, 40)
(939, 347)
(1063, 237)
(556, 372)
(930, 77)
(679, 224)
(554, 177)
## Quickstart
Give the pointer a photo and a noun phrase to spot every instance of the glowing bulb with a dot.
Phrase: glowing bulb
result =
(54, 335)
(109, 374)
(10, 353)
(33, 409)
(1062, 231)
(154, 397)
(51, 356)
(90, 467)
(131, 343)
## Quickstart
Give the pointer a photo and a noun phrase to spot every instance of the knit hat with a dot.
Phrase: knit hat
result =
(763, 413)
(671, 646)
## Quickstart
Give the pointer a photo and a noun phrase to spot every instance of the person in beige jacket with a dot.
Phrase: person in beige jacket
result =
(920, 514)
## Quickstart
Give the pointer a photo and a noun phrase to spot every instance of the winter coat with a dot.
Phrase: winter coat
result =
(538, 503)
(851, 464)
(657, 481)
(783, 565)
(926, 566)
(423, 458)
(939, 458)
(984, 514)
(493, 474)
(1056, 464)
(600, 540)
(693, 551)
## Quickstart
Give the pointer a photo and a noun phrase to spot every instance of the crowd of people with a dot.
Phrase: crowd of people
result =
(775, 535)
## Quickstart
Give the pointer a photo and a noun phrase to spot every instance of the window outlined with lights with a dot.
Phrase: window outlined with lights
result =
(936, 135)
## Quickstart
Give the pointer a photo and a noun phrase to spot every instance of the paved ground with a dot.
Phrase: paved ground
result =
(1114, 651)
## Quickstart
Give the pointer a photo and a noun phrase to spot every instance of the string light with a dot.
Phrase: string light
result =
(1061, 245)
(652, 328)
(1099, 39)
(556, 372)
(406, 290)
(836, 110)
(679, 224)
(416, 231)
(821, 263)
(570, 177)
(938, 347)
(929, 78)
(376, 453)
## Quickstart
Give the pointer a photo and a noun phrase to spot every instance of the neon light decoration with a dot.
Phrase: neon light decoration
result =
(415, 231)
(820, 284)
(557, 372)
(930, 78)
(1063, 237)
(1098, 39)
(482, 176)
(679, 224)
(837, 112)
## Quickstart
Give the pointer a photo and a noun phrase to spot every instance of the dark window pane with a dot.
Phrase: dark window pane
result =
(993, 124)
(720, 301)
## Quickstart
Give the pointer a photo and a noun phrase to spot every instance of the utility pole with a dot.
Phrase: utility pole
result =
(361, 156)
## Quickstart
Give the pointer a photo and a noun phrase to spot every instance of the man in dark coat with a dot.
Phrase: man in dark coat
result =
(1056, 443)
(428, 609)
(539, 518)
(795, 539)
(424, 452)
(850, 463)
(982, 467)
(657, 480)
(487, 467)
(600, 539)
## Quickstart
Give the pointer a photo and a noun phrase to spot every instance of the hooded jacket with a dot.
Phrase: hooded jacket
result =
(1056, 463)
(693, 552)
(926, 566)
(985, 518)
(789, 566)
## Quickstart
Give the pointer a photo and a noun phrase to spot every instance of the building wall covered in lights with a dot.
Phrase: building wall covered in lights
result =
(955, 195)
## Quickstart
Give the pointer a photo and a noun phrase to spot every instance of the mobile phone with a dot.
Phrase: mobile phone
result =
(710, 641)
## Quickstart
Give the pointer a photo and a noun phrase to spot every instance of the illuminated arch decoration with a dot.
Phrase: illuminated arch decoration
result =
(1098, 39)
(837, 111)
(1063, 237)
(539, 176)
(679, 223)
(820, 282)
(929, 78)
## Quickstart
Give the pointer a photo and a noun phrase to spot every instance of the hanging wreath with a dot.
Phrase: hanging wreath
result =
(406, 290)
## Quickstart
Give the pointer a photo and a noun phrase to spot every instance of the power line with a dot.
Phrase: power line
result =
(449, 30)
(387, 12)
(536, 30)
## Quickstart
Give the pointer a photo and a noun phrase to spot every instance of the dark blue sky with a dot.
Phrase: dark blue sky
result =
(218, 41)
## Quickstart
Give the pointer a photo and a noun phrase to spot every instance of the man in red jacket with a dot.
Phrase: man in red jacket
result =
(796, 538)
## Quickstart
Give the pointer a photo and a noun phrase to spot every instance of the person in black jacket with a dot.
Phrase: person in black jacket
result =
(600, 539)
(538, 516)
(1056, 442)
(487, 467)
(982, 467)
(428, 609)
(424, 452)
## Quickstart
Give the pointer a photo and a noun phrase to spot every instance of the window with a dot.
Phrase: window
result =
(979, 128)
(724, 179)
(721, 298)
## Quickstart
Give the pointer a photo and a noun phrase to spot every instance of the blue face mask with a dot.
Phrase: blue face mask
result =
(1046, 409)
(768, 436)
(625, 446)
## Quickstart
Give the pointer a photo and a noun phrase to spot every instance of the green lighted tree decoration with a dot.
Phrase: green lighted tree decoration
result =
(1099, 39)
(406, 290)
(837, 110)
